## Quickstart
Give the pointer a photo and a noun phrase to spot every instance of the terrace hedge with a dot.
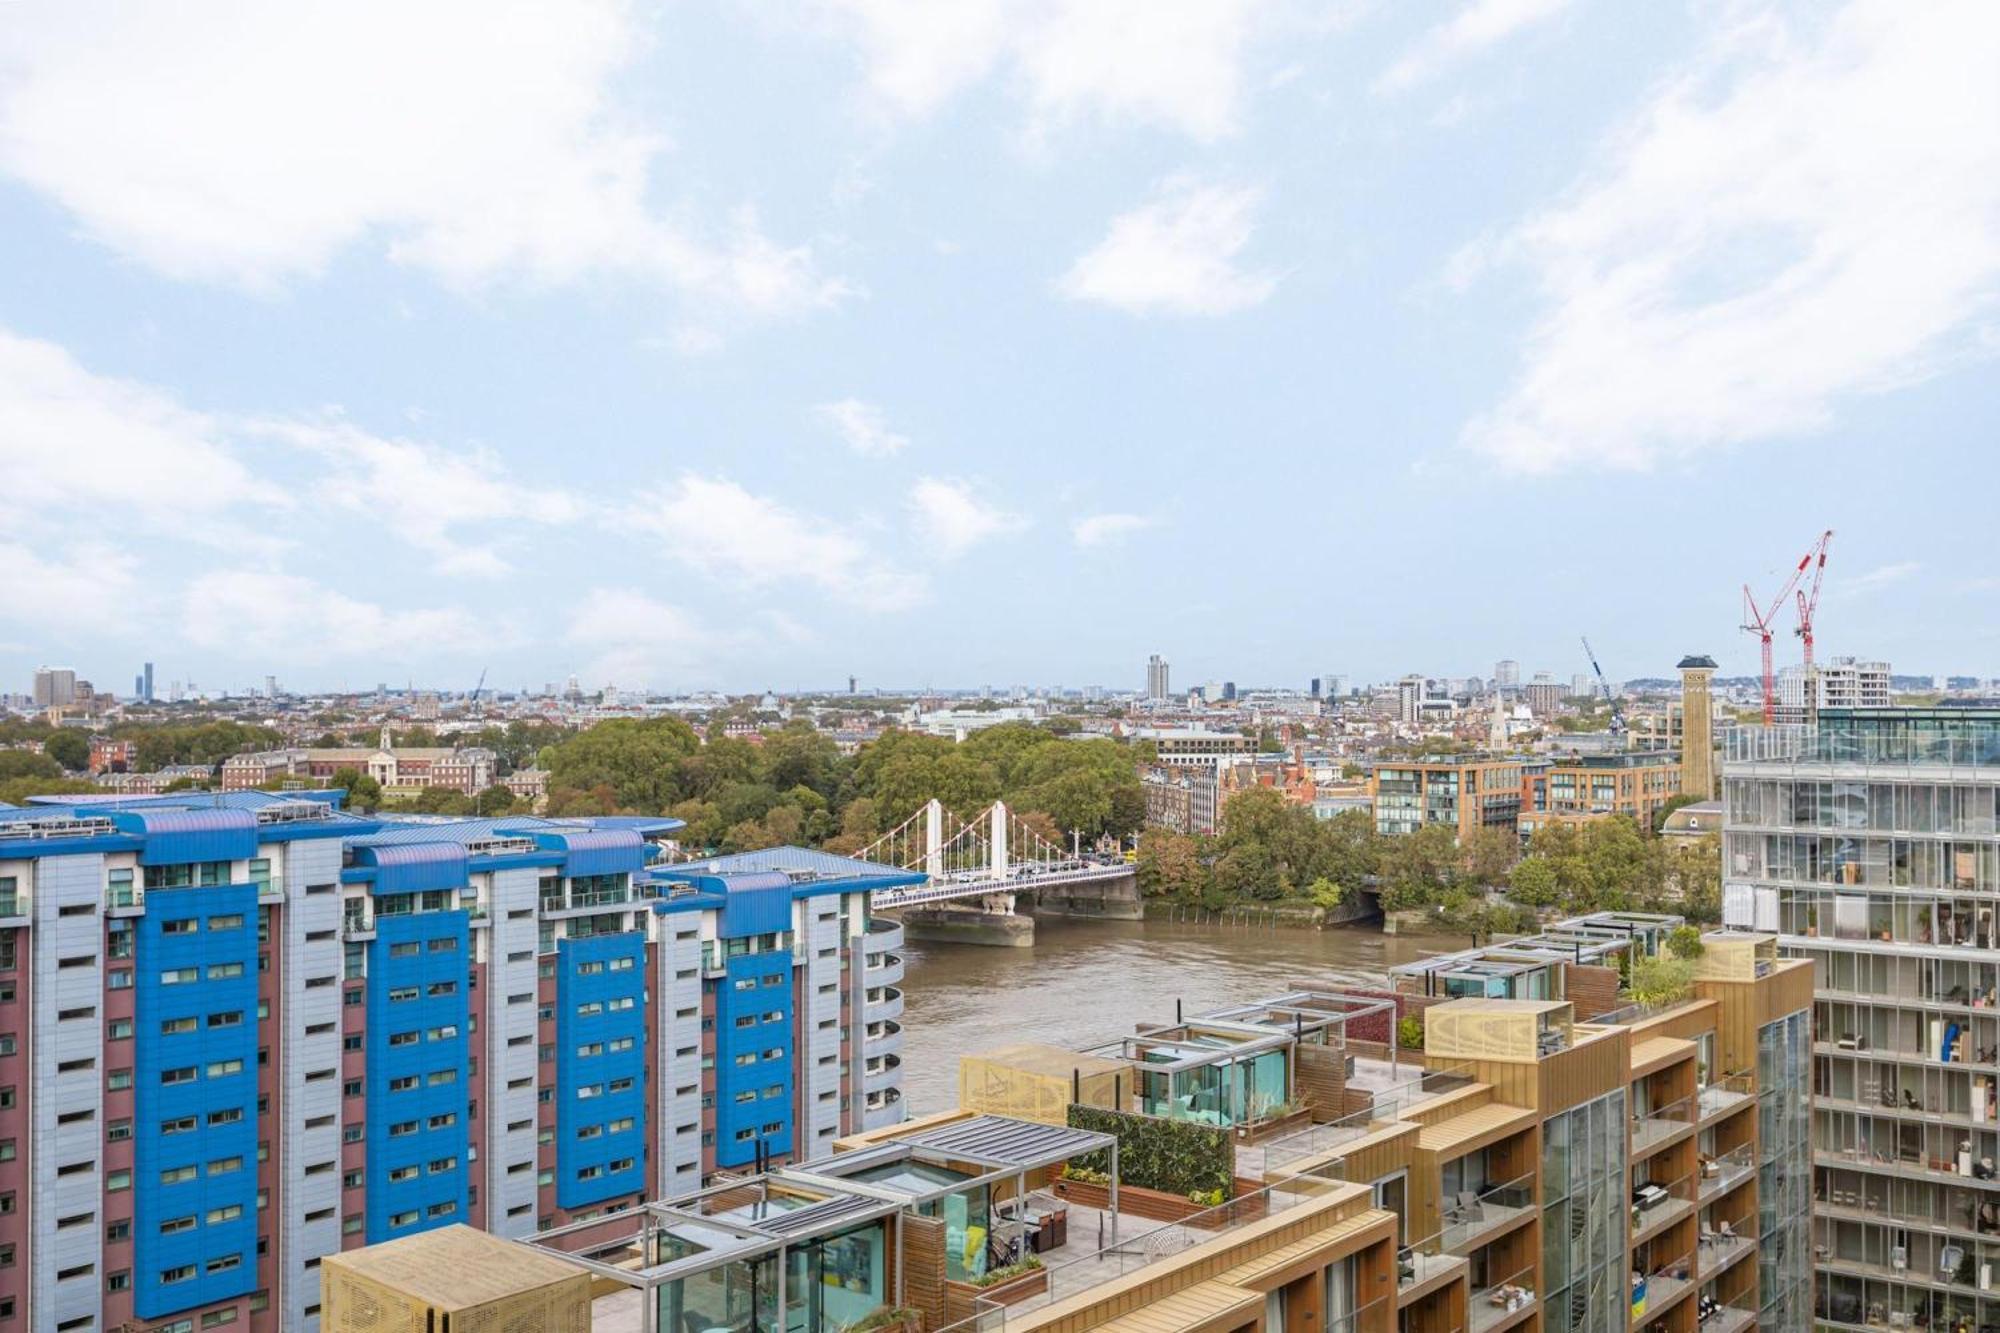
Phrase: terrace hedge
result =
(1172, 1156)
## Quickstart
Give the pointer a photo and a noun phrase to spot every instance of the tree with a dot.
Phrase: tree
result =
(16, 791)
(68, 748)
(441, 801)
(1418, 868)
(1695, 871)
(637, 760)
(1532, 883)
(1170, 866)
(1326, 894)
(1489, 854)
(18, 765)
(363, 791)
(495, 800)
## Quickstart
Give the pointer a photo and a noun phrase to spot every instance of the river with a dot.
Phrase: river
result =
(1085, 982)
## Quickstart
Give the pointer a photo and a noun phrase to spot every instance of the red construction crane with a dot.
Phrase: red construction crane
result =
(1758, 622)
(1809, 601)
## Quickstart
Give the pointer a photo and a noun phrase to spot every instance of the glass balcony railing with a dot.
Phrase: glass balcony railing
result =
(1719, 1175)
(1469, 1219)
(1656, 1291)
(1504, 1301)
(1650, 1128)
(1375, 1314)
(1424, 1260)
(1724, 1095)
(1656, 1205)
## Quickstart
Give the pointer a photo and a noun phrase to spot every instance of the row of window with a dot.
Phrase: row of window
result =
(185, 976)
(602, 965)
(180, 1175)
(397, 994)
(188, 1272)
(586, 1091)
(410, 948)
(590, 1048)
(617, 1004)
(409, 1216)
(190, 925)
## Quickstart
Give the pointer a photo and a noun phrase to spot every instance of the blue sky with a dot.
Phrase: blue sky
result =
(986, 341)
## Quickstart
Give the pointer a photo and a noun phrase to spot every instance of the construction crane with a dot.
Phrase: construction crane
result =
(1757, 620)
(472, 703)
(1617, 711)
(1809, 600)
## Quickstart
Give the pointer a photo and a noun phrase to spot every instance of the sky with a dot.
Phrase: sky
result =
(757, 343)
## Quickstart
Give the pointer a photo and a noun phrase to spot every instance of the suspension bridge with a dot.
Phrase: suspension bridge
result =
(987, 859)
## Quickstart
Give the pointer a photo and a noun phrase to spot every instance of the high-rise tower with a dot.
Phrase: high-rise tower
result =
(1697, 728)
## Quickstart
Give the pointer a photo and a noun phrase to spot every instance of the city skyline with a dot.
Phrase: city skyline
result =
(1029, 352)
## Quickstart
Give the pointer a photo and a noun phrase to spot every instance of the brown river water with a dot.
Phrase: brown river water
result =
(1085, 982)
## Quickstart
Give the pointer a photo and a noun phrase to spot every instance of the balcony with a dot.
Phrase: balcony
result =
(1425, 1267)
(1720, 1249)
(1669, 1203)
(1729, 1319)
(1719, 1175)
(1654, 1129)
(271, 889)
(1504, 1304)
(881, 1004)
(1472, 1220)
(1661, 1290)
(119, 900)
(357, 923)
(1727, 1095)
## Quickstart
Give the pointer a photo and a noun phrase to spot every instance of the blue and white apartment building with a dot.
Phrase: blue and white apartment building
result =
(239, 1032)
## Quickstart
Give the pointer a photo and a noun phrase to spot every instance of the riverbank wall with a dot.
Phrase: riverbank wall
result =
(1265, 916)
(1114, 899)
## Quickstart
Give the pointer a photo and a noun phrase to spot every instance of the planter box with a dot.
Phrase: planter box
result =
(1159, 1206)
(1291, 1123)
(959, 1296)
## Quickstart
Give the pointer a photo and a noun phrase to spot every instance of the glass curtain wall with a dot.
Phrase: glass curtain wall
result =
(1584, 1260)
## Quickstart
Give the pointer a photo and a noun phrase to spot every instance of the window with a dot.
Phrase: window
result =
(221, 971)
(171, 1026)
(180, 976)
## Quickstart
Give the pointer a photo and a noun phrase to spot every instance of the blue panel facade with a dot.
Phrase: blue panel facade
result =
(181, 837)
(600, 1068)
(418, 1134)
(754, 1057)
(758, 904)
(194, 1186)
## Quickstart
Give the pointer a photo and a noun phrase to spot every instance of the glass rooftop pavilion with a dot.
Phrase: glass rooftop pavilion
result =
(1240, 1066)
(832, 1241)
(1532, 967)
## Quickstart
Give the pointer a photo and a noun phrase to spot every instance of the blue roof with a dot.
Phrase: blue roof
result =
(191, 800)
(412, 867)
(178, 837)
(803, 864)
(463, 829)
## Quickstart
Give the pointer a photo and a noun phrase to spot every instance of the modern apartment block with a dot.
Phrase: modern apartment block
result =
(241, 1032)
(1654, 1158)
(1633, 783)
(1871, 843)
(1463, 793)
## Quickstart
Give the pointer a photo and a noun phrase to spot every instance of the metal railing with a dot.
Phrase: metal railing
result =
(1664, 1283)
(1680, 1198)
(1725, 1094)
(1130, 1253)
(1466, 1220)
(1420, 1261)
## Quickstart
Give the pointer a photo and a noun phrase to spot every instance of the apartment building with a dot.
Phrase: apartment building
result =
(1840, 682)
(1633, 783)
(1868, 842)
(1463, 792)
(241, 1032)
(468, 771)
(1668, 1162)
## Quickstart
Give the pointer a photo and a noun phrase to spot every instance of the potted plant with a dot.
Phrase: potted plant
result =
(1812, 922)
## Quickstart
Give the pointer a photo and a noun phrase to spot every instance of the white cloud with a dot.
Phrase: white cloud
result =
(89, 587)
(421, 492)
(1175, 254)
(476, 140)
(1798, 218)
(863, 426)
(293, 619)
(1481, 24)
(637, 639)
(1882, 576)
(721, 529)
(1107, 529)
(1174, 63)
(951, 520)
(81, 442)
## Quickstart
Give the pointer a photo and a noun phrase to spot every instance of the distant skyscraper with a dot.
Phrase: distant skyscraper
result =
(1581, 686)
(1332, 685)
(1157, 683)
(55, 687)
(270, 687)
(146, 683)
(1506, 673)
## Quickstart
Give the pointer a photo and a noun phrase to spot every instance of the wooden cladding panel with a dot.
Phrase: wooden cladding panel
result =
(1592, 989)
(923, 1266)
(1594, 1066)
(1322, 1081)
